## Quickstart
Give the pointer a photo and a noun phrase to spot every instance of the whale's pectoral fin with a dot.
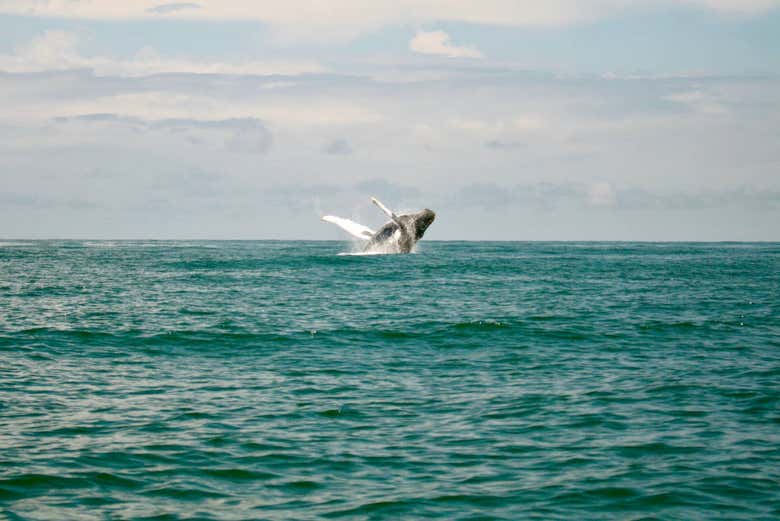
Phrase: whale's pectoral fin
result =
(351, 227)
(385, 209)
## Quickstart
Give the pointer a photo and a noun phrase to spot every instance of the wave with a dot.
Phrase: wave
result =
(470, 333)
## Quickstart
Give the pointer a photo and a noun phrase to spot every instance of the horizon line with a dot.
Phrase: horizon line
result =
(647, 241)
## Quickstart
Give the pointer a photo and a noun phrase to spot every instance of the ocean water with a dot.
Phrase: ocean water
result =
(281, 380)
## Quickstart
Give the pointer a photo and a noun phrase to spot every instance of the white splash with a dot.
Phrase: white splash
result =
(362, 253)
(389, 247)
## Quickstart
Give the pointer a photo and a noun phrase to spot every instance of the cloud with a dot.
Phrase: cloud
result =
(59, 50)
(172, 8)
(40, 201)
(241, 135)
(388, 191)
(339, 20)
(734, 6)
(439, 43)
(742, 197)
(337, 147)
(305, 197)
(601, 194)
(52, 50)
(699, 101)
(489, 196)
(497, 144)
(251, 138)
(548, 196)
(184, 98)
(638, 136)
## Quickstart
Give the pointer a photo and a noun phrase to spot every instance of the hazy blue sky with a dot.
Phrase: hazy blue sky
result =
(563, 119)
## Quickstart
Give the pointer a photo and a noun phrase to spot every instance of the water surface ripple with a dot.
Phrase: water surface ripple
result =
(279, 380)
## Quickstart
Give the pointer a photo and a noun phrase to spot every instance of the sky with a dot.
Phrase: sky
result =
(513, 120)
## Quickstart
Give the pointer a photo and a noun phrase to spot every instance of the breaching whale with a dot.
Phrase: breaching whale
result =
(398, 235)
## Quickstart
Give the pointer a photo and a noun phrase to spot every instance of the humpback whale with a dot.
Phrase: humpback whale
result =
(398, 235)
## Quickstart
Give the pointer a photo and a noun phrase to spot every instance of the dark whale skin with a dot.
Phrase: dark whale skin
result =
(412, 227)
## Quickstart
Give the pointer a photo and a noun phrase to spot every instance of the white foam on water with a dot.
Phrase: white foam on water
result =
(100, 244)
(364, 253)
(388, 248)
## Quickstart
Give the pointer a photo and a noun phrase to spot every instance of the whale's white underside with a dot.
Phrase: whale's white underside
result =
(351, 227)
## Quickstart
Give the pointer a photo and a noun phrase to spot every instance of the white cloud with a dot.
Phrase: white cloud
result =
(59, 50)
(602, 194)
(337, 147)
(172, 8)
(281, 112)
(497, 144)
(699, 101)
(737, 6)
(345, 19)
(438, 42)
(243, 135)
(486, 128)
(54, 49)
(590, 148)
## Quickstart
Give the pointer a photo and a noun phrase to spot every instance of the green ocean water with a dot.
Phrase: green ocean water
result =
(471, 380)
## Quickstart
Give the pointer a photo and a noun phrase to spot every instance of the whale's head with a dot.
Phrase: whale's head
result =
(422, 220)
